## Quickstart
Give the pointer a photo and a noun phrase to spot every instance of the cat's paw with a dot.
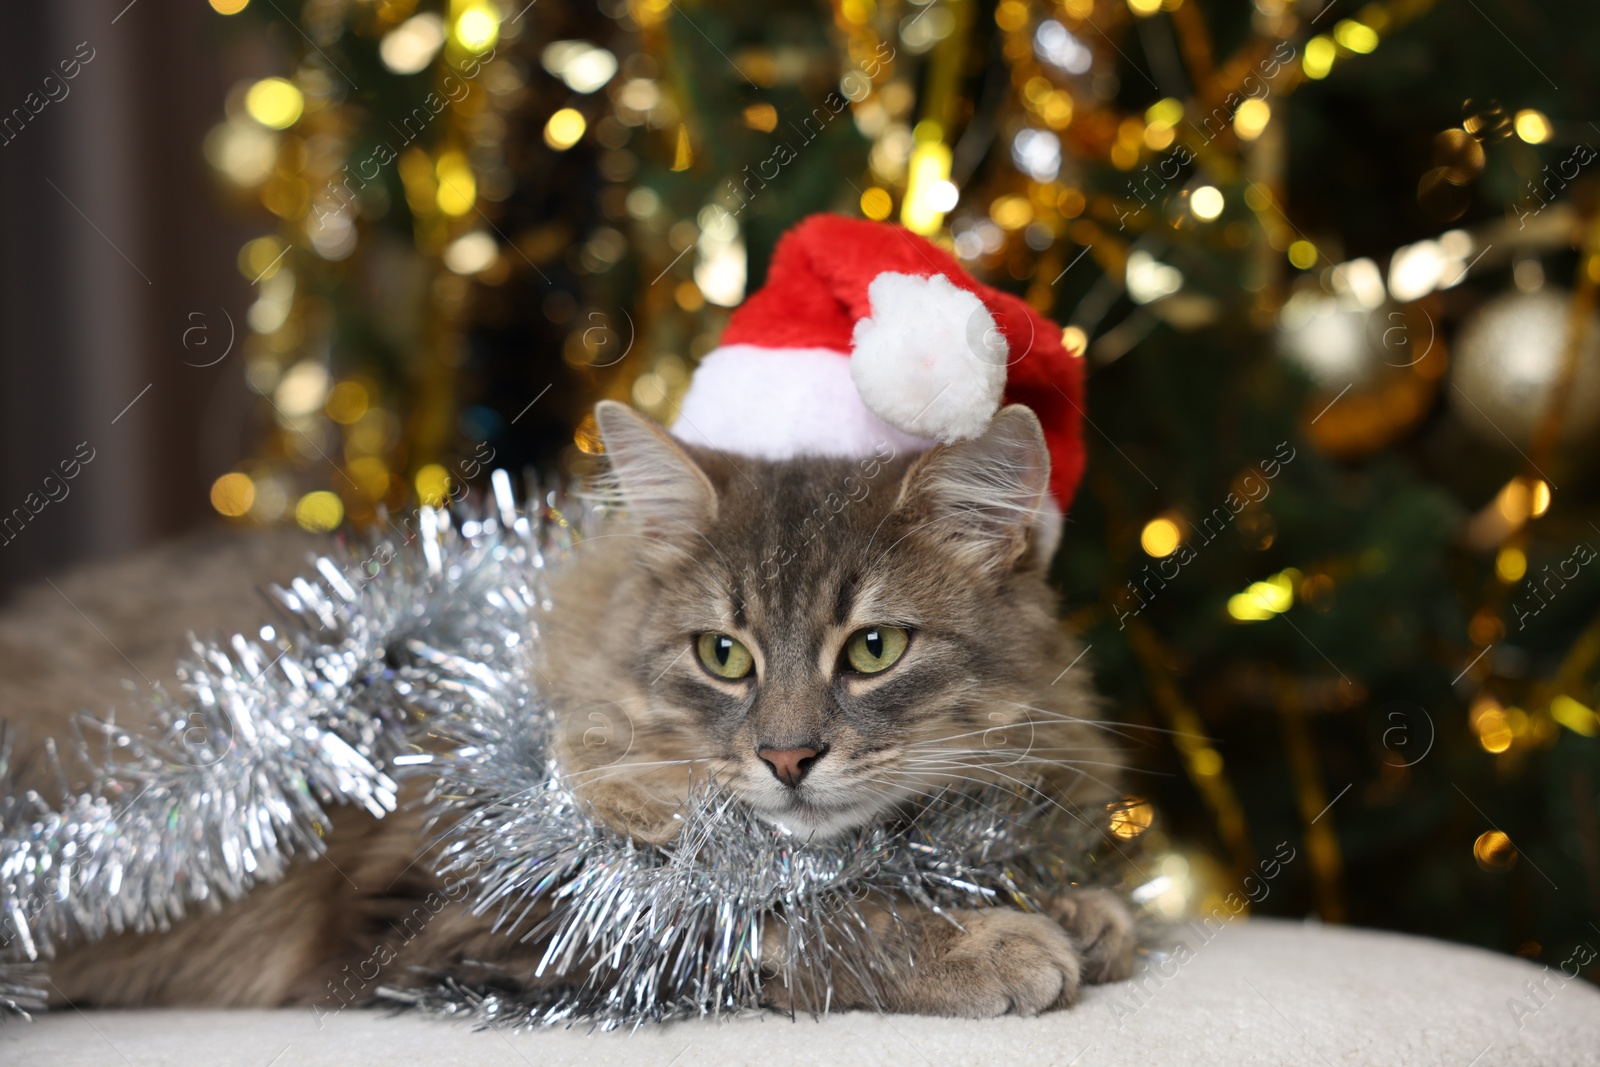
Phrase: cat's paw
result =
(1001, 962)
(1101, 929)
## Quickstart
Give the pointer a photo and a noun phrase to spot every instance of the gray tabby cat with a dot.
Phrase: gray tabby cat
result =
(830, 638)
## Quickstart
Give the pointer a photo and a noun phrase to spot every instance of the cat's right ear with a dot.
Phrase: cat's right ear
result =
(664, 491)
(984, 497)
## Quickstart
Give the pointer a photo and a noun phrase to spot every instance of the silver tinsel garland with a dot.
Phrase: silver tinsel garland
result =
(416, 660)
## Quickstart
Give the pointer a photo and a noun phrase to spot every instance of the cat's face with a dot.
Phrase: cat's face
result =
(826, 637)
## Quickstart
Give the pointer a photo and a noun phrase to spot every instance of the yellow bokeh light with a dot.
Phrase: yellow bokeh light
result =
(1512, 501)
(1075, 341)
(763, 117)
(929, 174)
(688, 296)
(857, 11)
(1303, 254)
(458, 188)
(1167, 111)
(233, 494)
(1206, 202)
(433, 485)
(1251, 118)
(1160, 538)
(1056, 109)
(276, 103)
(1144, 8)
(1131, 817)
(1492, 723)
(1541, 497)
(1159, 136)
(1356, 36)
(1265, 599)
(877, 204)
(587, 437)
(370, 476)
(477, 28)
(261, 258)
(1532, 126)
(682, 151)
(1242, 606)
(228, 7)
(1011, 15)
(1207, 763)
(1576, 717)
(565, 129)
(1319, 57)
(1494, 851)
(347, 402)
(1011, 212)
(319, 512)
(1510, 564)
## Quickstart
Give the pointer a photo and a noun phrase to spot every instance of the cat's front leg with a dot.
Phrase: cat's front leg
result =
(997, 961)
(1101, 928)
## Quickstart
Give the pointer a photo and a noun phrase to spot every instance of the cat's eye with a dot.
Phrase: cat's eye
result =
(724, 656)
(875, 648)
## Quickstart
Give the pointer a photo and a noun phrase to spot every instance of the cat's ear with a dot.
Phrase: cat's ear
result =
(661, 486)
(984, 496)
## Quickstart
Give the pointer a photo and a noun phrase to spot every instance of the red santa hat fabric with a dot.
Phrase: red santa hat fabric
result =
(865, 333)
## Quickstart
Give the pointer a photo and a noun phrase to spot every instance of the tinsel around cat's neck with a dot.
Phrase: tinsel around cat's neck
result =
(415, 659)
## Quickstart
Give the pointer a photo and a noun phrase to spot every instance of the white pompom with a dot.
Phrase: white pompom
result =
(930, 361)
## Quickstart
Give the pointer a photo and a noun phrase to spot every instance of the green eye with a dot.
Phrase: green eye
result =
(876, 648)
(724, 656)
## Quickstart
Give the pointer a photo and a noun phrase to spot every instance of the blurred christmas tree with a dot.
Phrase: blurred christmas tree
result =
(1333, 269)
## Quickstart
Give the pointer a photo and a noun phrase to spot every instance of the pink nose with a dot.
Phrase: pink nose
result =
(789, 764)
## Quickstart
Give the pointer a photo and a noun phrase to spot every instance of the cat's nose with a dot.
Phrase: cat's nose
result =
(790, 764)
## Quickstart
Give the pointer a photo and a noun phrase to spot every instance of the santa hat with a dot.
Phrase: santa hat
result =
(866, 333)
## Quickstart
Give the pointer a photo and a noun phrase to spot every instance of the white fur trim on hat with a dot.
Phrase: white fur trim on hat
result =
(779, 403)
(930, 360)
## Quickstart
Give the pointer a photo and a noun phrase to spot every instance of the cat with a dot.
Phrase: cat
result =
(829, 638)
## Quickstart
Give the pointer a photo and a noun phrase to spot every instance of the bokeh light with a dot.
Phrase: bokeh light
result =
(1510, 564)
(276, 103)
(319, 511)
(1160, 537)
(477, 28)
(347, 402)
(458, 187)
(1532, 126)
(1319, 56)
(433, 485)
(411, 46)
(1264, 599)
(565, 129)
(1131, 817)
(1251, 119)
(1494, 852)
(233, 494)
(877, 204)
(1356, 36)
(1206, 202)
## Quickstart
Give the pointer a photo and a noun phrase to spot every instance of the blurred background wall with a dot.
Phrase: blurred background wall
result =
(111, 235)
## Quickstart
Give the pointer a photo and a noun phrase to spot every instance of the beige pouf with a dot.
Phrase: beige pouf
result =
(1259, 992)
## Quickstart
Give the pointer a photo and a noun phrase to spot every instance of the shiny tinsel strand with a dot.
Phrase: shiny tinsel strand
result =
(266, 742)
(416, 659)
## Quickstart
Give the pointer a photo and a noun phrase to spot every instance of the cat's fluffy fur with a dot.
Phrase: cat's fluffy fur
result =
(788, 557)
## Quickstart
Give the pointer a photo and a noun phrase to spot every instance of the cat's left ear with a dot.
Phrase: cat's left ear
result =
(984, 496)
(662, 487)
